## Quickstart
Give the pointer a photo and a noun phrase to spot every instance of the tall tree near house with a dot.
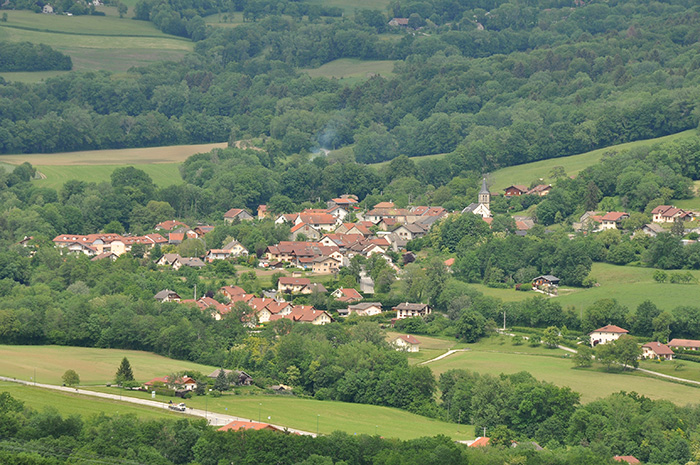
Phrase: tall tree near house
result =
(221, 383)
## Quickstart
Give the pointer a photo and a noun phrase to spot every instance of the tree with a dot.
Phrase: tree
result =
(124, 372)
(551, 337)
(583, 357)
(71, 378)
(221, 382)
(470, 326)
(627, 352)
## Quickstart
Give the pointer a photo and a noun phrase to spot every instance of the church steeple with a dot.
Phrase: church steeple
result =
(484, 194)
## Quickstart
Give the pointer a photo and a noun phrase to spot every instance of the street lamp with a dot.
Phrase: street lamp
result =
(318, 417)
(259, 410)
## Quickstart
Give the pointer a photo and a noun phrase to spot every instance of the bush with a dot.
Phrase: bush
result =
(518, 340)
(534, 342)
(215, 393)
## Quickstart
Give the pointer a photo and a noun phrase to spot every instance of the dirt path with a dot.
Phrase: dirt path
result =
(213, 418)
(446, 354)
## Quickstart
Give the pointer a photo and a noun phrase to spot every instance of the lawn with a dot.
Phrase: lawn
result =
(678, 368)
(302, 414)
(95, 366)
(352, 68)
(430, 347)
(540, 170)
(590, 383)
(163, 174)
(72, 404)
(630, 285)
(93, 42)
(31, 76)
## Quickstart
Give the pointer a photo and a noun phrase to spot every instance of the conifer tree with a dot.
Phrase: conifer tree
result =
(124, 372)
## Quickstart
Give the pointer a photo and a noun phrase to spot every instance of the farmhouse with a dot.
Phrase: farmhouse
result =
(657, 350)
(540, 189)
(684, 344)
(545, 280)
(406, 342)
(237, 214)
(515, 190)
(407, 310)
(606, 334)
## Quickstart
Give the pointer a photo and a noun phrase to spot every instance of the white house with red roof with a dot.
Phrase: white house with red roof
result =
(669, 214)
(612, 220)
(347, 294)
(684, 344)
(406, 342)
(606, 334)
(185, 383)
(657, 350)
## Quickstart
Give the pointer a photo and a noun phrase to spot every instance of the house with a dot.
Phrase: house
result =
(305, 314)
(108, 255)
(612, 220)
(48, 9)
(338, 211)
(684, 344)
(626, 458)
(652, 229)
(657, 350)
(669, 214)
(170, 225)
(249, 425)
(345, 294)
(515, 190)
(237, 214)
(606, 334)
(194, 262)
(262, 212)
(406, 342)
(362, 309)
(408, 232)
(325, 265)
(180, 234)
(408, 310)
(185, 383)
(166, 295)
(398, 22)
(288, 285)
(347, 201)
(541, 190)
(95, 244)
(168, 259)
(203, 229)
(216, 254)
(306, 230)
(480, 442)
(235, 248)
(231, 291)
(243, 378)
(357, 229)
(545, 280)
(319, 219)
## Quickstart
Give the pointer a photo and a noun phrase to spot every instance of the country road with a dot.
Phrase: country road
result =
(213, 418)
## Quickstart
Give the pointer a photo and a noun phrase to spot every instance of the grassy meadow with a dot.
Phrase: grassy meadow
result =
(161, 163)
(630, 285)
(351, 69)
(74, 404)
(350, 6)
(95, 366)
(93, 42)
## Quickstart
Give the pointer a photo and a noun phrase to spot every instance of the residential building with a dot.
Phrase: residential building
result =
(657, 350)
(606, 334)
(669, 214)
(345, 294)
(406, 342)
(612, 220)
(166, 295)
(237, 214)
(362, 309)
(411, 310)
(684, 344)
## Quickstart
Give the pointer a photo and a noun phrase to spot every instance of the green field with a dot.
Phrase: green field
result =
(163, 174)
(530, 172)
(350, 6)
(590, 383)
(352, 69)
(224, 19)
(94, 42)
(72, 404)
(630, 285)
(95, 366)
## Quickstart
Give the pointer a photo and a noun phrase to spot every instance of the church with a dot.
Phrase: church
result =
(481, 208)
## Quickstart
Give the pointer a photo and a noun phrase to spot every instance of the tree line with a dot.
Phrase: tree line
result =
(25, 56)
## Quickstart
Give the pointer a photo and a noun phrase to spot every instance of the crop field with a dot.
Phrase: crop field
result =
(73, 404)
(591, 383)
(95, 366)
(529, 172)
(94, 42)
(630, 285)
(351, 68)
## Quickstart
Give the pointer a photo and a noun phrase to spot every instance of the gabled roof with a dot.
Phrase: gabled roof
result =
(317, 218)
(234, 212)
(232, 290)
(610, 329)
(191, 261)
(658, 348)
(410, 306)
(684, 343)
(164, 294)
(480, 442)
(385, 205)
(348, 294)
(287, 281)
(246, 425)
(519, 187)
(170, 225)
(408, 338)
(614, 216)
(365, 305)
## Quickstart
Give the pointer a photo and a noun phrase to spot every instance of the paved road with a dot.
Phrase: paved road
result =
(213, 418)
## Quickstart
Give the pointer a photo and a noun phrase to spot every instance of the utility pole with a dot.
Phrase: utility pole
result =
(318, 417)
(195, 291)
(504, 320)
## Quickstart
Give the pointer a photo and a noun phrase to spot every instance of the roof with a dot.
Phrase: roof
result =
(449, 262)
(164, 294)
(610, 329)
(484, 187)
(519, 187)
(234, 212)
(408, 338)
(365, 305)
(170, 225)
(245, 425)
(547, 277)
(614, 216)
(348, 294)
(480, 442)
(232, 290)
(684, 343)
(164, 380)
(287, 281)
(626, 458)
(658, 348)
(385, 205)
(191, 261)
(409, 306)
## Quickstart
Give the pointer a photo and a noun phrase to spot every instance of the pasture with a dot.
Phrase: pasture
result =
(592, 383)
(630, 285)
(74, 404)
(95, 366)
(94, 42)
(352, 69)
(163, 174)
(350, 6)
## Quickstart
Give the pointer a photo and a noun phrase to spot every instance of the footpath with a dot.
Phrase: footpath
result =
(213, 418)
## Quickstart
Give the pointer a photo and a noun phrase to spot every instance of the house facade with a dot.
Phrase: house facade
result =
(657, 350)
(410, 310)
(606, 334)
(406, 342)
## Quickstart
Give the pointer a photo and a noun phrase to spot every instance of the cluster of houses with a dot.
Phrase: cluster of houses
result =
(106, 245)
(663, 214)
(650, 350)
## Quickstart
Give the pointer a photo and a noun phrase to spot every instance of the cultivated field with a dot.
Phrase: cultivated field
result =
(95, 366)
(161, 163)
(630, 285)
(73, 404)
(352, 69)
(94, 42)
(590, 383)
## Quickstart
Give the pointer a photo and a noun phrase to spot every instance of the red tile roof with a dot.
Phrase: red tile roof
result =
(245, 425)
(614, 216)
(610, 329)
(658, 348)
(480, 442)
(626, 458)
(684, 343)
(408, 338)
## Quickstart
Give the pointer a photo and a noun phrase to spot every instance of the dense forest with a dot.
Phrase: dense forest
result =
(520, 83)
(25, 56)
